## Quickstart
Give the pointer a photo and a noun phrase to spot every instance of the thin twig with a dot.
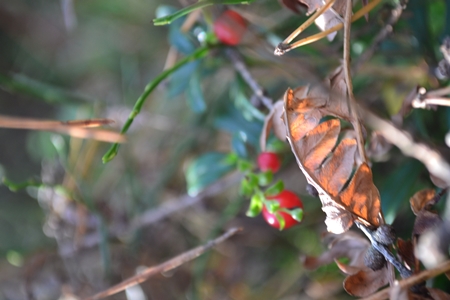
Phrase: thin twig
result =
(413, 280)
(404, 272)
(348, 80)
(164, 267)
(283, 48)
(396, 12)
(240, 66)
(432, 160)
(179, 204)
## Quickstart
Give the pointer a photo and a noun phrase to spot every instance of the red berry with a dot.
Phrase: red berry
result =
(287, 199)
(230, 27)
(268, 161)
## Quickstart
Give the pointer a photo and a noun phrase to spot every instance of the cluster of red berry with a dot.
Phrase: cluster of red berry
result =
(269, 161)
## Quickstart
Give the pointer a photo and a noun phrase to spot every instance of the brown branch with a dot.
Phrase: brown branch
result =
(432, 159)
(240, 66)
(164, 267)
(348, 80)
(413, 280)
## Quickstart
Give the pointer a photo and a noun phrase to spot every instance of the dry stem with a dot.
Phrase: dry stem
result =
(164, 267)
(413, 280)
(348, 80)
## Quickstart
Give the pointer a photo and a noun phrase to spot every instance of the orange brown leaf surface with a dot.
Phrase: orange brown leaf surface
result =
(326, 166)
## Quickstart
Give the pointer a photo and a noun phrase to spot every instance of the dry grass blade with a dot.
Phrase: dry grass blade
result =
(75, 128)
(164, 267)
(327, 170)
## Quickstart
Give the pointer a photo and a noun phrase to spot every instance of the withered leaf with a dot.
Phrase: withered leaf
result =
(426, 220)
(421, 199)
(325, 169)
(365, 282)
(273, 121)
(406, 252)
(361, 281)
(349, 245)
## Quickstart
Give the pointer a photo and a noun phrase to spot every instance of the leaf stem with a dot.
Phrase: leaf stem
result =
(199, 53)
(200, 4)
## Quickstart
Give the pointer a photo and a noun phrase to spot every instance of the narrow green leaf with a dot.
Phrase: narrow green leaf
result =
(256, 205)
(280, 220)
(272, 206)
(265, 178)
(297, 214)
(194, 94)
(246, 189)
(244, 165)
(275, 189)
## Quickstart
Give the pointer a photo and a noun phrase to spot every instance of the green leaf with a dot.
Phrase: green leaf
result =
(205, 170)
(194, 94)
(253, 179)
(280, 220)
(244, 165)
(238, 144)
(265, 178)
(246, 188)
(297, 214)
(275, 189)
(200, 4)
(256, 205)
(272, 206)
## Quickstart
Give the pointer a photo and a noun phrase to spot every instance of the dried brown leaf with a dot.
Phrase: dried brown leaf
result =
(350, 245)
(406, 252)
(421, 199)
(325, 169)
(273, 121)
(366, 282)
(426, 220)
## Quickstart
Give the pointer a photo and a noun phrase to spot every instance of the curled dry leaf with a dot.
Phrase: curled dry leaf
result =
(361, 281)
(327, 167)
(421, 199)
(273, 121)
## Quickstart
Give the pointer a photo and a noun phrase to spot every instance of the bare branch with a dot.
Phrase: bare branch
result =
(413, 280)
(164, 267)
(434, 161)
(240, 66)
(348, 80)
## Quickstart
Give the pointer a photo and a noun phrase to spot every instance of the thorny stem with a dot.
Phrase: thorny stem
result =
(240, 66)
(348, 80)
(404, 272)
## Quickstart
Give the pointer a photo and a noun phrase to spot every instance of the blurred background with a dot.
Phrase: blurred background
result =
(80, 226)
